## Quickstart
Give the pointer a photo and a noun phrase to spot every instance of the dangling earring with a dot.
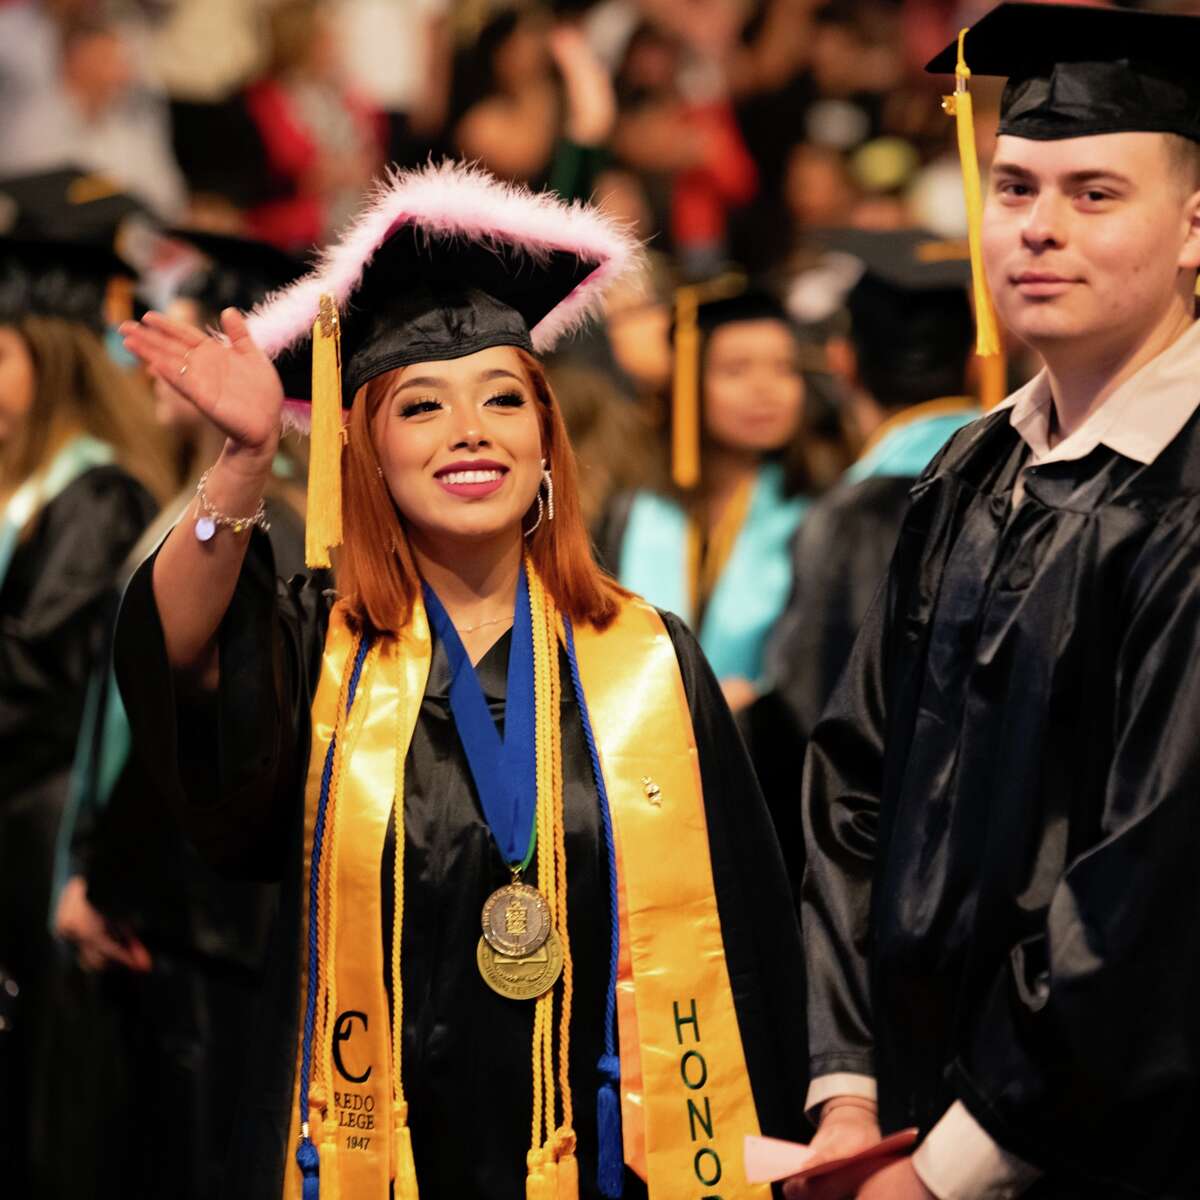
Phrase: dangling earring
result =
(545, 509)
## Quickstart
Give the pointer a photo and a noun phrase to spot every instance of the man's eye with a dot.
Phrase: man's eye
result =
(416, 407)
(1015, 190)
(507, 400)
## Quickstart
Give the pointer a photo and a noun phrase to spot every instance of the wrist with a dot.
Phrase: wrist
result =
(856, 1107)
(252, 464)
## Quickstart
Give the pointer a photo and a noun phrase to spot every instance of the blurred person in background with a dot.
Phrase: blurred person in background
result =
(717, 552)
(80, 471)
(904, 363)
(74, 91)
(154, 1033)
(324, 144)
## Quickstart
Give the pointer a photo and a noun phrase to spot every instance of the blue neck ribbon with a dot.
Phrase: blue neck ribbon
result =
(504, 769)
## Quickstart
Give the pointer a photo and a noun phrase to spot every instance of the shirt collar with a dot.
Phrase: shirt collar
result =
(1139, 420)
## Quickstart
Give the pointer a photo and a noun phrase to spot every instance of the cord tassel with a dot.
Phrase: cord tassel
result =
(331, 1190)
(568, 1165)
(610, 1171)
(309, 1162)
(961, 108)
(535, 1180)
(685, 415)
(323, 527)
(405, 1187)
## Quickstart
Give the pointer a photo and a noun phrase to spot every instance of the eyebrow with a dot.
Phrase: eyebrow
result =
(1075, 178)
(432, 381)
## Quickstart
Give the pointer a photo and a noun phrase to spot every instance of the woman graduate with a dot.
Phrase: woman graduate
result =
(714, 544)
(78, 462)
(482, 736)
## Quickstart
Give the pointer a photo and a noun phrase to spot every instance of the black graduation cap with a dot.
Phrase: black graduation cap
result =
(911, 300)
(70, 280)
(66, 203)
(1074, 71)
(237, 272)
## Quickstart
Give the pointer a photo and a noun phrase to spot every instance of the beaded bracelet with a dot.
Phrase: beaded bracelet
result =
(211, 519)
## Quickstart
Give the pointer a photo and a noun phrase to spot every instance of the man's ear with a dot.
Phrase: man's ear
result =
(1189, 255)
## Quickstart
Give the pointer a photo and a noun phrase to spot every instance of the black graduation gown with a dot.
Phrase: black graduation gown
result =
(1001, 806)
(236, 766)
(56, 604)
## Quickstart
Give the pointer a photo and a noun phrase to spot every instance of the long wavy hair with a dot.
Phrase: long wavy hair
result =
(377, 576)
(79, 389)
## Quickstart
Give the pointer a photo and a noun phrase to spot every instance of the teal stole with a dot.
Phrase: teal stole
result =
(753, 589)
(905, 445)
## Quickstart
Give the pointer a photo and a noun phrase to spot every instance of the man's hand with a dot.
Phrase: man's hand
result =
(848, 1125)
(897, 1182)
(96, 944)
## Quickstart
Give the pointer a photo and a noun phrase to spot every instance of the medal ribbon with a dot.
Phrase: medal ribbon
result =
(505, 771)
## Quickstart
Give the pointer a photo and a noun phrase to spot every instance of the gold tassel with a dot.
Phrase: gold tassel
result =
(331, 1185)
(960, 107)
(685, 415)
(535, 1180)
(405, 1187)
(568, 1165)
(323, 521)
(993, 380)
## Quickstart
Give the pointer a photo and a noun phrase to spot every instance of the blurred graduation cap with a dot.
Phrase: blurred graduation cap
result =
(445, 262)
(71, 280)
(234, 272)
(67, 203)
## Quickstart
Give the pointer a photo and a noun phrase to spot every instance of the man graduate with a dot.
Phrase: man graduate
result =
(1002, 802)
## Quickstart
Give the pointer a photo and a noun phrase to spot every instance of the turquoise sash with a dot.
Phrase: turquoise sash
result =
(753, 589)
(908, 449)
(80, 454)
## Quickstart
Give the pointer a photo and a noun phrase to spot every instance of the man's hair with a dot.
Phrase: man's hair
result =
(1183, 155)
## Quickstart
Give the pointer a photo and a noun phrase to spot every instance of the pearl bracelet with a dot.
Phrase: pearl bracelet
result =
(210, 519)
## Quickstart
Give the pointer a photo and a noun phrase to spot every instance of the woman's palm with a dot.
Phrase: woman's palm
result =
(231, 382)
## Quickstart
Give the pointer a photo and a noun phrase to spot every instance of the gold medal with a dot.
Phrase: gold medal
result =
(523, 978)
(516, 920)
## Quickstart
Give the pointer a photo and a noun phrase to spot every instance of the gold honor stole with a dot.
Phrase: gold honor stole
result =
(686, 1098)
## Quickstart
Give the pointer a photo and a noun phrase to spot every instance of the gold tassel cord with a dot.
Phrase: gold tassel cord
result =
(323, 520)
(404, 1169)
(960, 107)
(685, 417)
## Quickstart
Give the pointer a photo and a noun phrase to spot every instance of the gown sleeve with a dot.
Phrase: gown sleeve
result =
(232, 761)
(758, 920)
(48, 648)
(1085, 1054)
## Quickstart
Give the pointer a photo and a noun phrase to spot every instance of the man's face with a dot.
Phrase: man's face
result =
(1086, 238)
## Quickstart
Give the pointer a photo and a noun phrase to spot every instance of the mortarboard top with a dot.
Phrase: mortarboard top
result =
(236, 272)
(66, 203)
(63, 279)
(908, 260)
(1075, 71)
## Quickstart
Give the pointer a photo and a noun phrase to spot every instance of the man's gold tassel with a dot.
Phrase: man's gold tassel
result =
(323, 520)
(960, 107)
(405, 1184)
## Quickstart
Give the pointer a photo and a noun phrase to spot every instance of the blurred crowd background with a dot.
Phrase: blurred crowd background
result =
(214, 145)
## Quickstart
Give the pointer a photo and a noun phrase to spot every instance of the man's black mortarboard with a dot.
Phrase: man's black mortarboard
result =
(67, 203)
(70, 280)
(1074, 71)
(236, 272)
(446, 261)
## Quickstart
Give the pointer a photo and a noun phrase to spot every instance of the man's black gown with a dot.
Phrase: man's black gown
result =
(56, 605)
(1003, 810)
(235, 764)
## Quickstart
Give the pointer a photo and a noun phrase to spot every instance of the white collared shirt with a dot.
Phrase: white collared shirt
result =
(960, 1160)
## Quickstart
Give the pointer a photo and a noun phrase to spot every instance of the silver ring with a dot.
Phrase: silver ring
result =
(183, 370)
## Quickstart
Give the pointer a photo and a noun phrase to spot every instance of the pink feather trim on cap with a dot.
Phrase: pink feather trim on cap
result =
(452, 199)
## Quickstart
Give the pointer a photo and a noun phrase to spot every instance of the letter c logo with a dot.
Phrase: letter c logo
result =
(342, 1032)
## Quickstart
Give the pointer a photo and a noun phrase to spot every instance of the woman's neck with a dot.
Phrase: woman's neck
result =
(476, 581)
(725, 472)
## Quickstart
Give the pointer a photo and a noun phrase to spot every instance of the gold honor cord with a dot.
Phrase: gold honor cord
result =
(960, 107)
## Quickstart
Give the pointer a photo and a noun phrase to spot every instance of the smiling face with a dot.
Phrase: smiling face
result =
(1087, 241)
(753, 388)
(460, 444)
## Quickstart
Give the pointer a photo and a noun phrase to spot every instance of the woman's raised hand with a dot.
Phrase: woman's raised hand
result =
(230, 381)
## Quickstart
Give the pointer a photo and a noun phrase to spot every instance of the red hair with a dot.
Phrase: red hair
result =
(377, 576)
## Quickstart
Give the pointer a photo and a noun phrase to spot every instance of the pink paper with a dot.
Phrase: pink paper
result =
(771, 1159)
